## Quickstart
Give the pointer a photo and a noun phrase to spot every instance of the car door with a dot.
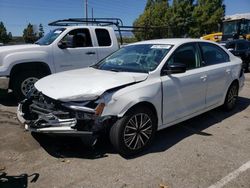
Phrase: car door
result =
(78, 52)
(184, 93)
(215, 61)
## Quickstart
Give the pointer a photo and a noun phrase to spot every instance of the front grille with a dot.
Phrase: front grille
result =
(41, 104)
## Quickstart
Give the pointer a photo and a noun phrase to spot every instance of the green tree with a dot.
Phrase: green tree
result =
(29, 35)
(10, 36)
(181, 19)
(41, 31)
(153, 20)
(4, 37)
(149, 4)
(208, 14)
(184, 18)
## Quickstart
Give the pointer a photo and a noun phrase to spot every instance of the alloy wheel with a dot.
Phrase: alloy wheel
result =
(232, 95)
(138, 131)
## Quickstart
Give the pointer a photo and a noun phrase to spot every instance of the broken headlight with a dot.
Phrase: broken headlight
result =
(91, 107)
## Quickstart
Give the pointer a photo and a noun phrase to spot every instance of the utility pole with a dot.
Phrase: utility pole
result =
(86, 11)
(92, 13)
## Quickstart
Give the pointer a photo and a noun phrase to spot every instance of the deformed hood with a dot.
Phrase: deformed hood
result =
(84, 84)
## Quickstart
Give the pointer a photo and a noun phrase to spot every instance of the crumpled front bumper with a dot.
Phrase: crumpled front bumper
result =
(49, 123)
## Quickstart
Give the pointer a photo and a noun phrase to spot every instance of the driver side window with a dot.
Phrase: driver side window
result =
(186, 54)
(78, 38)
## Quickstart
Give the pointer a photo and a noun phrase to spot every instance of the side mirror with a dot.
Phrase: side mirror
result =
(174, 69)
(62, 45)
(230, 49)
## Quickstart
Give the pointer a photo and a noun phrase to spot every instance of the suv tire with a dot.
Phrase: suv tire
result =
(22, 82)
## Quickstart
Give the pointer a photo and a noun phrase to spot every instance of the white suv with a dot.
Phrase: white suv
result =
(141, 88)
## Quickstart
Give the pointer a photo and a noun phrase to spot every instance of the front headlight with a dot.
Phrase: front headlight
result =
(99, 109)
(93, 107)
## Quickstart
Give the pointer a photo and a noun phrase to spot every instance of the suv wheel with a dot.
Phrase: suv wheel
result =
(23, 82)
(134, 131)
(231, 97)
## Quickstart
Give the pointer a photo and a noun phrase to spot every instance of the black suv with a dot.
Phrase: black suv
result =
(240, 48)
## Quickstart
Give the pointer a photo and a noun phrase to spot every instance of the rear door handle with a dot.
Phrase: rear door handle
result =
(90, 53)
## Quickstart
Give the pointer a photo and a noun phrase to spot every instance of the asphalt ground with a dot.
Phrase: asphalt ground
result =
(211, 150)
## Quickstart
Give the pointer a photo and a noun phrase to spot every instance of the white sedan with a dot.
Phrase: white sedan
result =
(139, 89)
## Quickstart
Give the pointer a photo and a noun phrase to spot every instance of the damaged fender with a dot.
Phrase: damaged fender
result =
(132, 95)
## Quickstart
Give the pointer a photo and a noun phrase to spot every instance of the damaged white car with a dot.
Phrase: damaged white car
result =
(139, 89)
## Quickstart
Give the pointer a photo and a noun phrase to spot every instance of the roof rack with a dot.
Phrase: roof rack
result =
(117, 22)
(94, 21)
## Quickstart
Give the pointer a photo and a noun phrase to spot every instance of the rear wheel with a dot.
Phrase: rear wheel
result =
(133, 132)
(231, 97)
(24, 81)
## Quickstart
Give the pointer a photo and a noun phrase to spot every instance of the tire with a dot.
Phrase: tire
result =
(22, 82)
(129, 140)
(231, 97)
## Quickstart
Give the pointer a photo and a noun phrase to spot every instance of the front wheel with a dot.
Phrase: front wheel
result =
(24, 81)
(133, 132)
(231, 97)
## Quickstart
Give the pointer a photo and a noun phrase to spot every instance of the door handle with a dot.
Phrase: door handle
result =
(90, 53)
(204, 77)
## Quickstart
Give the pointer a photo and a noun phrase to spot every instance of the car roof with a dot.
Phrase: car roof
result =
(172, 41)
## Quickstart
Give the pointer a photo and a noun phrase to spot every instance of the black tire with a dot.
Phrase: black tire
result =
(124, 125)
(19, 78)
(231, 97)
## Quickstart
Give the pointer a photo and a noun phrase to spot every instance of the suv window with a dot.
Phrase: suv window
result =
(186, 54)
(78, 38)
(103, 37)
(213, 54)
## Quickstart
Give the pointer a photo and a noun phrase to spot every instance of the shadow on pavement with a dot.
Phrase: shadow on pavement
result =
(8, 99)
(20, 181)
(64, 147)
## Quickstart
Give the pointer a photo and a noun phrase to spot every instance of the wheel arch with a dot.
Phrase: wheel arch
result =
(144, 104)
(32, 66)
(234, 81)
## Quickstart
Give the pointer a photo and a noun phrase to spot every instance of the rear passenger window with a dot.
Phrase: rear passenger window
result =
(103, 37)
(213, 54)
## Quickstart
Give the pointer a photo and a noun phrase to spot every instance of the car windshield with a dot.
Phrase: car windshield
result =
(135, 58)
(50, 37)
